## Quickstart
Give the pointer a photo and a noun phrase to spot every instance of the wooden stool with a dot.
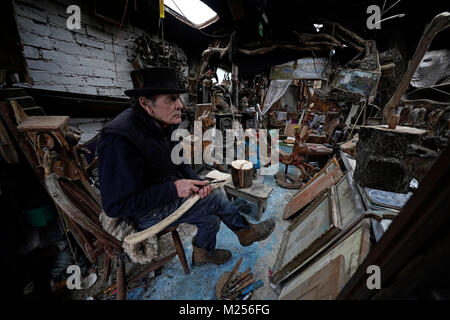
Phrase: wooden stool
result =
(257, 193)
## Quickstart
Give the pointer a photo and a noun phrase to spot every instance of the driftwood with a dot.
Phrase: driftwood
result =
(281, 46)
(438, 23)
(153, 230)
(310, 37)
(352, 44)
(214, 51)
(344, 30)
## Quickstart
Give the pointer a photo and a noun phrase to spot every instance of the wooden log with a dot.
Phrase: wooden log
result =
(380, 154)
(242, 173)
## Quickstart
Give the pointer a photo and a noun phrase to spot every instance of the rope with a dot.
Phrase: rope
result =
(64, 226)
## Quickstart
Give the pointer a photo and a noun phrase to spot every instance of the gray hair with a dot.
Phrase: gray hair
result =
(134, 102)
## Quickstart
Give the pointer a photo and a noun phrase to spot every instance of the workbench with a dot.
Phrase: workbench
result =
(257, 193)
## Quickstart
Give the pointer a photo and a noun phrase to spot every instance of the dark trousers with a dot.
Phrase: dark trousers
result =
(206, 214)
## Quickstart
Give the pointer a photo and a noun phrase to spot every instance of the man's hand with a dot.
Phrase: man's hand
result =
(186, 187)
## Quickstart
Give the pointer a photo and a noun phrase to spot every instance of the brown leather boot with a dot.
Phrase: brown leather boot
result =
(201, 256)
(257, 232)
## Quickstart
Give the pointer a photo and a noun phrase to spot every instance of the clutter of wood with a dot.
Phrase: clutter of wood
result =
(353, 144)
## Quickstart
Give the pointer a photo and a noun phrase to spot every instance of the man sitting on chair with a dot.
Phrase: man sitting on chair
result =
(140, 183)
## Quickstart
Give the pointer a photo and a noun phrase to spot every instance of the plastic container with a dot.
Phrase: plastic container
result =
(40, 217)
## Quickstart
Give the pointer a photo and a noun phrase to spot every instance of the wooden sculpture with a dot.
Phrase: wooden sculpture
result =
(297, 157)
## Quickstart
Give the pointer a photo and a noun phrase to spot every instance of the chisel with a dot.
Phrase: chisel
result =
(232, 273)
(253, 286)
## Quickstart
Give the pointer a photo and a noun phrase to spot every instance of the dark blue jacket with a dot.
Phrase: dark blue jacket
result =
(136, 172)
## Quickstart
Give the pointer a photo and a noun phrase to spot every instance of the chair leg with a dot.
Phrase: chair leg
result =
(180, 250)
(121, 287)
(106, 267)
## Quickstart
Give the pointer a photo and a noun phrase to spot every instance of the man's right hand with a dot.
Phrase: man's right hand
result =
(185, 187)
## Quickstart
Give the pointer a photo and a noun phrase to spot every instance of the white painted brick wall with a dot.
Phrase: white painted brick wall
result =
(79, 61)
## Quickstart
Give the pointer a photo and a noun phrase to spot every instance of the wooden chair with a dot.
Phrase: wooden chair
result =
(68, 183)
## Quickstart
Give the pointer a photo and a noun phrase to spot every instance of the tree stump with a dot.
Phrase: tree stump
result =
(242, 173)
(380, 153)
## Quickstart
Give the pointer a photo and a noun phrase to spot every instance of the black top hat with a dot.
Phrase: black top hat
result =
(154, 80)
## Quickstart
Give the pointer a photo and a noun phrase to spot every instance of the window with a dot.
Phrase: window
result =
(193, 12)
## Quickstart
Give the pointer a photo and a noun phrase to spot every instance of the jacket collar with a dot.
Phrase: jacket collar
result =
(150, 123)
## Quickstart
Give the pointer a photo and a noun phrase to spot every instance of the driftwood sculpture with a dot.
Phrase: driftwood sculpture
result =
(439, 22)
(297, 157)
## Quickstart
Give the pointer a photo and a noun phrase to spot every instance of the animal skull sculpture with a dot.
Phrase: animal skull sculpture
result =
(435, 66)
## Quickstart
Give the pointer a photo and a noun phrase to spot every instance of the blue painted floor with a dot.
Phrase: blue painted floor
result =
(173, 284)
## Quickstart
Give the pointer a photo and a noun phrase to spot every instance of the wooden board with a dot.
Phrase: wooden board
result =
(349, 202)
(36, 123)
(7, 149)
(289, 130)
(399, 129)
(258, 190)
(354, 246)
(323, 285)
(306, 235)
(325, 178)
(346, 208)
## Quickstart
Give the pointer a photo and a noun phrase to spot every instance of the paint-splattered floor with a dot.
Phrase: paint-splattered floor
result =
(173, 284)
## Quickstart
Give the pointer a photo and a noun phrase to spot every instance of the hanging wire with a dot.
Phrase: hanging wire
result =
(384, 11)
(117, 34)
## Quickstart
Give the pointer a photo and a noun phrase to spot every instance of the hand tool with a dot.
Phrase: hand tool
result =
(239, 283)
(232, 273)
(245, 274)
(253, 286)
(242, 286)
(212, 182)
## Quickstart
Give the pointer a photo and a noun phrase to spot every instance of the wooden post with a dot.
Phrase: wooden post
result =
(235, 82)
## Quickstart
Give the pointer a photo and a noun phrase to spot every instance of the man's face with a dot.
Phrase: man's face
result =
(166, 108)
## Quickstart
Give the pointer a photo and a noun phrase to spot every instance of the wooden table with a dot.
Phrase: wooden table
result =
(257, 193)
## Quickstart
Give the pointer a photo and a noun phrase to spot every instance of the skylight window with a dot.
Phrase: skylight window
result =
(193, 12)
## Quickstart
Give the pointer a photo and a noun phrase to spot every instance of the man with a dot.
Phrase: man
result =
(140, 183)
